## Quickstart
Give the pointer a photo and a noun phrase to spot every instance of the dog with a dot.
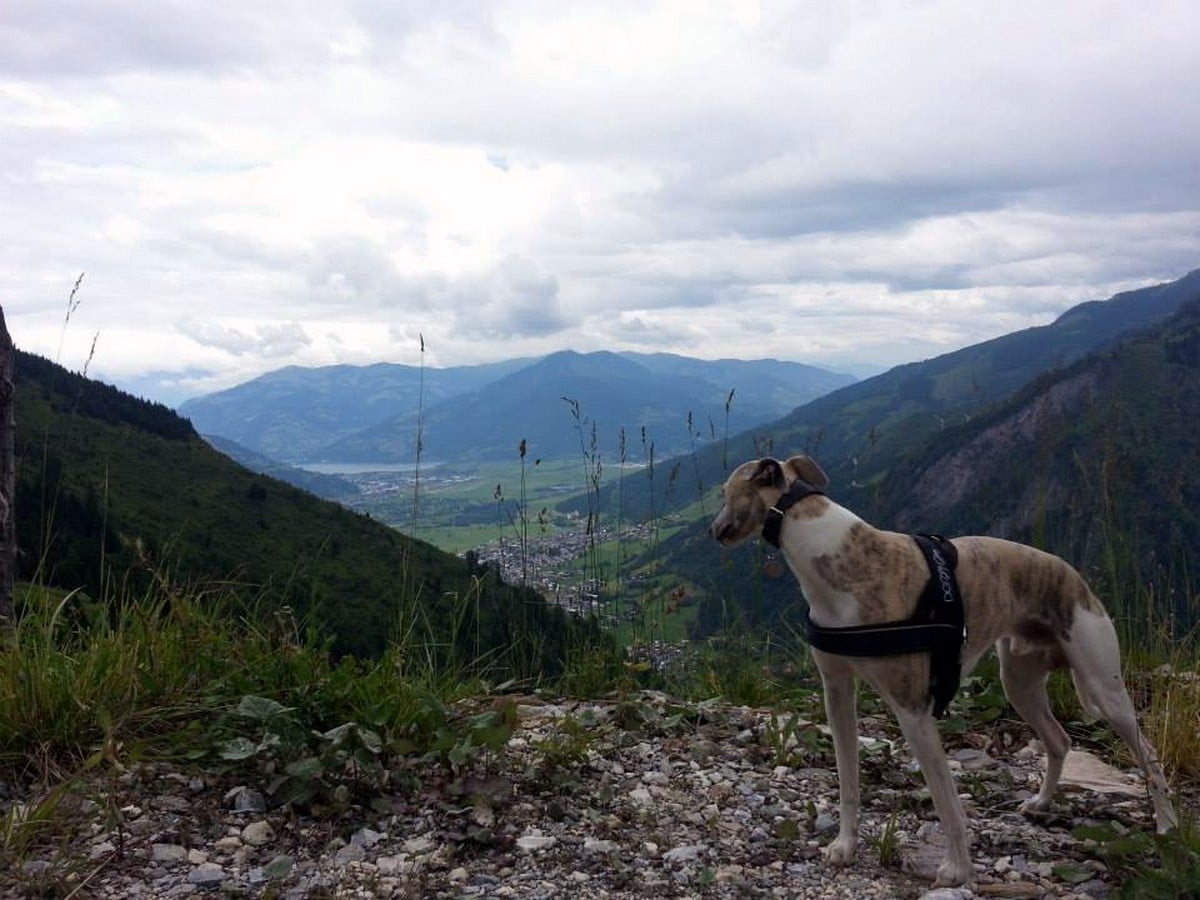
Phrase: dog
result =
(1034, 608)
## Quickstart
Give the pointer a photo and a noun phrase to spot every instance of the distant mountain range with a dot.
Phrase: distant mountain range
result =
(374, 413)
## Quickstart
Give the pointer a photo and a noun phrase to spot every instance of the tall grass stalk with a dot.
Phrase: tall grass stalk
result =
(419, 443)
(591, 573)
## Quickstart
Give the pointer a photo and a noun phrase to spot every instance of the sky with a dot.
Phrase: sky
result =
(247, 186)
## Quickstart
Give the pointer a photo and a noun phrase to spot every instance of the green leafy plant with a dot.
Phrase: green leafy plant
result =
(793, 741)
(308, 765)
(461, 744)
(888, 844)
(567, 746)
(1149, 866)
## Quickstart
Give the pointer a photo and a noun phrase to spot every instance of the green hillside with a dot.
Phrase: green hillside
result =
(112, 489)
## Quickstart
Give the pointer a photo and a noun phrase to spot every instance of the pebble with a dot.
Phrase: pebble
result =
(207, 874)
(258, 834)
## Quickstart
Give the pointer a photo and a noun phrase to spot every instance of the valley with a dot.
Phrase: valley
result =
(507, 517)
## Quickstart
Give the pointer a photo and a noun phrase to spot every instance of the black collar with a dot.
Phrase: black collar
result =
(797, 491)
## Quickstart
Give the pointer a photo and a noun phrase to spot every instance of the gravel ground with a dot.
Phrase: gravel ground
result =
(646, 798)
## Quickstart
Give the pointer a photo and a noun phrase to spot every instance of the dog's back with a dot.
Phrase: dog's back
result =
(1020, 592)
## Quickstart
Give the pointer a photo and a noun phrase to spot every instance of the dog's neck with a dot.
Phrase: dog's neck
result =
(804, 540)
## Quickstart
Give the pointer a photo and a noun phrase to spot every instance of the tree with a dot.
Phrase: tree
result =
(8, 476)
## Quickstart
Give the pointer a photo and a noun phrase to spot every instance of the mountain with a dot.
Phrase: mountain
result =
(116, 491)
(1097, 461)
(554, 403)
(291, 413)
(860, 431)
(485, 412)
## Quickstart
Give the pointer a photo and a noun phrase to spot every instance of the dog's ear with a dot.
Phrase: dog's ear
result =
(768, 473)
(802, 466)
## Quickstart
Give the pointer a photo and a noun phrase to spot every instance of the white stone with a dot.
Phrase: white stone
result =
(207, 874)
(686, 853)
(256, 834)
(531, 843)
(420, 844)
(168, 853)
(391, 865)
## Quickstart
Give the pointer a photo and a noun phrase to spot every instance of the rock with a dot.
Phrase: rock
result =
(243, 800)
(279, 867)
(207, 875)
(367, 837)
(1083, 770)
(257, 834)
(419, 845)
(103, 848)
(168, 853)
(595, 845)
(390, 865)
(532, 843)
(683, 854)
(350, 853)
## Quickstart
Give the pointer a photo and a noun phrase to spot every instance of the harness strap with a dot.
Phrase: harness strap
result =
(937, 627)
(797, 491)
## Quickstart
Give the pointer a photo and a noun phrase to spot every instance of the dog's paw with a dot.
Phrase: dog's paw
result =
(841, 851)
(953, 874)
(1035, 805)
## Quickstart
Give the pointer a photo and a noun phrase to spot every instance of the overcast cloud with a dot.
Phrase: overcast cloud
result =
(253, 185)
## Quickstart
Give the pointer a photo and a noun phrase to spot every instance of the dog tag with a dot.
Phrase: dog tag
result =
(773, 568)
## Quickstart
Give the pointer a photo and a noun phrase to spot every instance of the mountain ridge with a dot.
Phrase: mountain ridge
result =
(504, 403)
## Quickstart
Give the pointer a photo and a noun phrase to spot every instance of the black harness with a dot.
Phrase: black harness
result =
(938, 627)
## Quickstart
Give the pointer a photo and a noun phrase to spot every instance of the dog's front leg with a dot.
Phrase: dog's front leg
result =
(840, 703)
(920, 730)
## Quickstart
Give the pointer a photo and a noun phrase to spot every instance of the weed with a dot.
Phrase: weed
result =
(568, 746)
(793, 741)
(888, 844)
(1149, 866)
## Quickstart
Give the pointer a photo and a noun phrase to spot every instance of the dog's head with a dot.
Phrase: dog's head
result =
(753, 488)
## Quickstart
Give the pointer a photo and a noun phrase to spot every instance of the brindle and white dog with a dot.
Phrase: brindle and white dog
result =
(1033, 607)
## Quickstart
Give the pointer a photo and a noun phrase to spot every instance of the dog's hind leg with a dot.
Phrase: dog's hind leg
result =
(840, 710)
(921, 732)
(1024, 678)
(1095, 659)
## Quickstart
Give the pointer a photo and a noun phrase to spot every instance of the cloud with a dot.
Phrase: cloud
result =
(516, 299)
(827, 182)
(269, 341)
